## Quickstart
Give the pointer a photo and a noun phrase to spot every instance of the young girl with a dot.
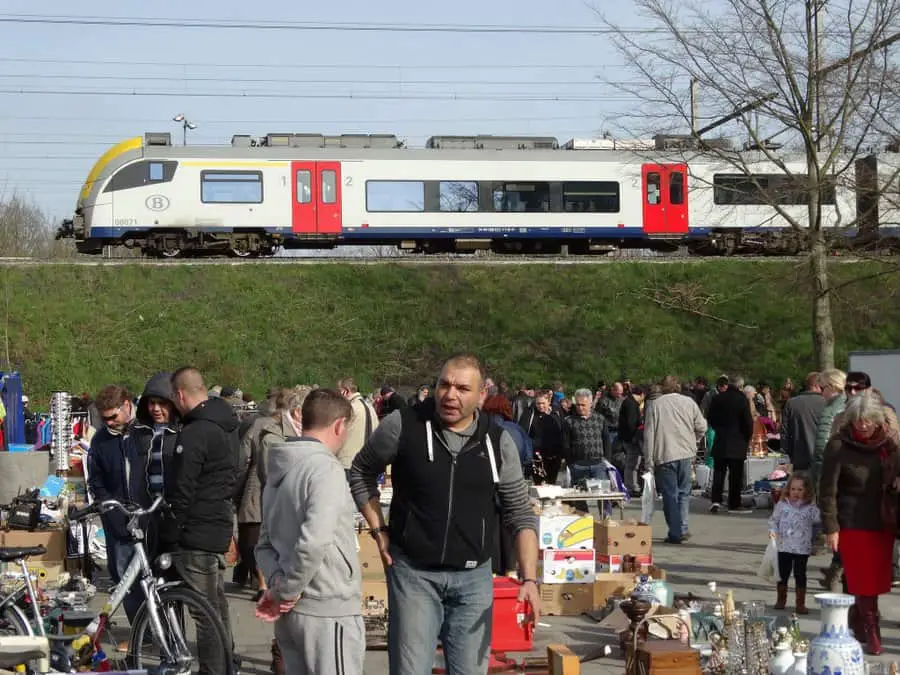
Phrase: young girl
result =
(794, 525)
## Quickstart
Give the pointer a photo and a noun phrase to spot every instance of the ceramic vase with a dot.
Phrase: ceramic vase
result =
(799, 667)
(834, 651)
(782, 660)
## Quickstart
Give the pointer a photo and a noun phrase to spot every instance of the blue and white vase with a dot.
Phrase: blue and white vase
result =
(834, 651)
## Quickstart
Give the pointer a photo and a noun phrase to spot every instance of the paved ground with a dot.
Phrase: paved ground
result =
(725, 548)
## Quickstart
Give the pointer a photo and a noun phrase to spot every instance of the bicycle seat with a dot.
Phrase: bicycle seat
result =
(8, 554)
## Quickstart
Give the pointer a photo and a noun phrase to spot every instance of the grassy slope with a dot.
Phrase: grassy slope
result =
(77, 328)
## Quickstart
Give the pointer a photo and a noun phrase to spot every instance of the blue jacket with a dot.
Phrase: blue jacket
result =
(522, 440)
(113, 474)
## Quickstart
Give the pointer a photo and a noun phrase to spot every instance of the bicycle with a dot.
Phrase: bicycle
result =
(162, 611)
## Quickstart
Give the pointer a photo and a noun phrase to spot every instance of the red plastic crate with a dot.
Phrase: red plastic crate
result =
(508, 635)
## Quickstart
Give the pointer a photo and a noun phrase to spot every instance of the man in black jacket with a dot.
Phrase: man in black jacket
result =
(205, 471)
(731, 419)
(452, 469)
(631, 437)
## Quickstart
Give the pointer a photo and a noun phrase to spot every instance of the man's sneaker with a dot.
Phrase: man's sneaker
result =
(715, 507)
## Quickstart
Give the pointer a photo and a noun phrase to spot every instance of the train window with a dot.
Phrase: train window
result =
(329, 187)
(591, 197)
(676, 187)
(766, 190)
(458, 196)
(304, 186)
(522, 197)
(156, 172)
(395, 195)
(231, 187)
(653, 187)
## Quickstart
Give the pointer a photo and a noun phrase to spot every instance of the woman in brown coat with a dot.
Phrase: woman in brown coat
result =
(859, 508)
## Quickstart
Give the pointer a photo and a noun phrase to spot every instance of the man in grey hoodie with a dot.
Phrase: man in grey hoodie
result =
(307, 546)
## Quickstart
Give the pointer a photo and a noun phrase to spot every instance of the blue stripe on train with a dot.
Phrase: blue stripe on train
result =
(366, 233)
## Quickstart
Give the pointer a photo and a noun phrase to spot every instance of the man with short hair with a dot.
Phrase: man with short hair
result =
(362, 423)
(799, 423)
(586, 440)
(205, 473)
(111, 470)
(452, 470)
(673, 427)
(307, 546)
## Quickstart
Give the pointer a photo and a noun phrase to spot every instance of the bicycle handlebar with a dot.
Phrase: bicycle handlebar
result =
(112, 504)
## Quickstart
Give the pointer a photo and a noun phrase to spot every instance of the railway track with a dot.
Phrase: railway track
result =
(398, 260)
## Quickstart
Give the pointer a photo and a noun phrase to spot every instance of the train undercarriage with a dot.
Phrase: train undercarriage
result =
(175, 243)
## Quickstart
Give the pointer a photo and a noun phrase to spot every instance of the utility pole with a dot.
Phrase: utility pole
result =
(817, 60)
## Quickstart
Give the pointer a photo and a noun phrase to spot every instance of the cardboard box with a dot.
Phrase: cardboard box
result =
(572, 566)
(610, 563)
(615, 538)
(53, 540)
(375, 597)
(46, 572)
(566, 532)
(566, 599)
(369, 558)
(607, 585)
(637, 564)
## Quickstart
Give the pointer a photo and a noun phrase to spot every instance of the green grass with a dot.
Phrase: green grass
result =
(77, 328)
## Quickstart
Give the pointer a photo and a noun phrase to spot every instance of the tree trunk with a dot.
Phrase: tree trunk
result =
(823, 330)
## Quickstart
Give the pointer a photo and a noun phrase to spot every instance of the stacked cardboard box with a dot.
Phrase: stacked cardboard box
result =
(47, 567)
(567, 549)
(374, 590)
(623, 547)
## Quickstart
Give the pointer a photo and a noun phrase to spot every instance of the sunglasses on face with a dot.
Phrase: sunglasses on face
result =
(110, 418)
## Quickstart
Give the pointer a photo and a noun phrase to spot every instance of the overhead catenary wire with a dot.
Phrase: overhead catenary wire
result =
(319, 26)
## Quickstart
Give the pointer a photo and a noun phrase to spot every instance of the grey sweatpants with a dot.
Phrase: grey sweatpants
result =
(315, 645)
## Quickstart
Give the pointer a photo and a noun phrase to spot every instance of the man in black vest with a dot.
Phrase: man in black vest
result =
(452, 470)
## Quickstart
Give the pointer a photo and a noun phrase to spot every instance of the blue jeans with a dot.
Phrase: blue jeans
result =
(673, 481)
(452, 605)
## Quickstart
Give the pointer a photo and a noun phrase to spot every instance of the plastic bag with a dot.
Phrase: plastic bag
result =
(768, 568)
(564, 477)
(648, 498)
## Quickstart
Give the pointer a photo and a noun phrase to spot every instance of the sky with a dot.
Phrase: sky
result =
(247, 81)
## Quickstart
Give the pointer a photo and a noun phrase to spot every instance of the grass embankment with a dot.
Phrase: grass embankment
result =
(78, 328)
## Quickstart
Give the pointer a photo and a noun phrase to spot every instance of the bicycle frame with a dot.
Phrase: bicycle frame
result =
(30, 591)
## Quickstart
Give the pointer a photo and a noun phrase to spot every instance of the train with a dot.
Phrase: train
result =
(461, 194)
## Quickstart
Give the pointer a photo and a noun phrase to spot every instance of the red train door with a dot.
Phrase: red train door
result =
(665, 198)
(316, 197)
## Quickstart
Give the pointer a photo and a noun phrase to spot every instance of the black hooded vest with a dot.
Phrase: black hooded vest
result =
(444, 508)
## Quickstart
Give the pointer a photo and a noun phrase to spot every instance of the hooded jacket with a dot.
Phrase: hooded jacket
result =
(148, 447)
(307, 543)
(204, 470)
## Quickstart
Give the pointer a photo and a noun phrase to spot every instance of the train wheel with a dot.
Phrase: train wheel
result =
(243, 253)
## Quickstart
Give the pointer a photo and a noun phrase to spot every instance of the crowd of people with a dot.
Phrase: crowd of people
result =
(288, 475)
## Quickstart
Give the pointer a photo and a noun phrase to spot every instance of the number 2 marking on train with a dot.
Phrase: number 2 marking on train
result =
(348, 181)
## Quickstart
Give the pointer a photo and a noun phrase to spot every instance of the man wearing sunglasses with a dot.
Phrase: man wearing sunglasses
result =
(111, 473)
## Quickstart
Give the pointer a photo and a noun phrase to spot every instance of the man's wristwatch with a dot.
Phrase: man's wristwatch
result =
(534, 581)
(375, 531)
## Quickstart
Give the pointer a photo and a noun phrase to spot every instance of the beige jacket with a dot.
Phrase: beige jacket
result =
(356, 433)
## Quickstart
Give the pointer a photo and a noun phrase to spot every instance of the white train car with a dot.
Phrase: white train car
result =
(509, 194)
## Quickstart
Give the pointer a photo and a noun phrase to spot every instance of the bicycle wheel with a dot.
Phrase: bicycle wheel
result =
(13, 621)
(144, 650)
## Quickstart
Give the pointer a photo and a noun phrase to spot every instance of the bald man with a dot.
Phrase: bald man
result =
(205, 472)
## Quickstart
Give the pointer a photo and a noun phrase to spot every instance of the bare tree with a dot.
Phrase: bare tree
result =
(814, 74)
(26, 232)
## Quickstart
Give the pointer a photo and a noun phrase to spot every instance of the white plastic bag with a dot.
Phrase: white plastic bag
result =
(768, 568)
(564, 477)
(648, 498)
